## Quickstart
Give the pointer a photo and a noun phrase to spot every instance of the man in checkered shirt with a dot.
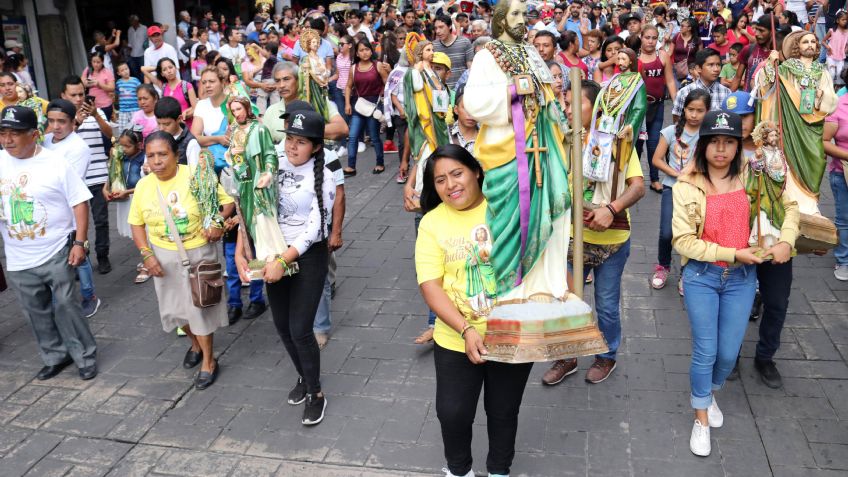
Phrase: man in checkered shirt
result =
(709, 60)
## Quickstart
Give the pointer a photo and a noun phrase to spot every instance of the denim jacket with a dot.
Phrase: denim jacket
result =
(132, 169)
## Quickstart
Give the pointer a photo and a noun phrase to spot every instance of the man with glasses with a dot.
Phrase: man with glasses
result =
(44, 218)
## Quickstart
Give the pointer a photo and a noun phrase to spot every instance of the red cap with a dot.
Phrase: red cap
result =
(154, 30)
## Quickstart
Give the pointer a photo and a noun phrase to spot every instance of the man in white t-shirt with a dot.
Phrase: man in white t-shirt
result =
(233, 50)
(136, 35)
(354, 19)
(44, 220)
(66, 143)
(158, 49)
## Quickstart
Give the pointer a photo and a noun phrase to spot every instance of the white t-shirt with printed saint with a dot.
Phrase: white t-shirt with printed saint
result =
(73, 149)
(37, 196)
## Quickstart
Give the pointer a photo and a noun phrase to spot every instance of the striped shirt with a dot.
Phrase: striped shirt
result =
(89, 131)
(460, 53)
(128, 94)
(343, 66)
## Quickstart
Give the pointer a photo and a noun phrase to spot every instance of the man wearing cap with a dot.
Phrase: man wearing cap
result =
(631, 24)
(158, 49)
(774, 276)
(66, 143)
(258, 26)
(45, 221)
(13, 46)
(458, 48)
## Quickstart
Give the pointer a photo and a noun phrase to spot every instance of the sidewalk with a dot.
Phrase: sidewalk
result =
(141, 415)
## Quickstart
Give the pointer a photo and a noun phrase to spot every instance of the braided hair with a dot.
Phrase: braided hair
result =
(318, 172)
(694, 95)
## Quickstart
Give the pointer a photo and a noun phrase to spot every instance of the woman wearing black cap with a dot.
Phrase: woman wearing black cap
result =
(306, 194)
(711, 228)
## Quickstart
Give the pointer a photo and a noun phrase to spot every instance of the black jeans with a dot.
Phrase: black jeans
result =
(294, 301)
(775, 286)
(458, 385)
(100, 213)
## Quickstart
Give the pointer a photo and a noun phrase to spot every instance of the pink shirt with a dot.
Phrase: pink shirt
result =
(147, 123)
(840, 118)
(101, 97)
(177, 93)
(726, 221)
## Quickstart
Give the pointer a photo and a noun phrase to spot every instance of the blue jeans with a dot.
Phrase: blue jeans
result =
(86, 279)
(664, 243)
(322, 322)
(840, 196)
(357, 124)
(654, 128)
(234, 282)
(821, 31)
(718, 302)
(337, 95)
(608, 296)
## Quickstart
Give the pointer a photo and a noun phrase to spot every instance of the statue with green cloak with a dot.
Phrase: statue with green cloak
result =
(520, 147)
(254, 163)
(806, 97)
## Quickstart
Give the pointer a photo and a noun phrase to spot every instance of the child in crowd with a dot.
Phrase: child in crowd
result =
(144, 119)
(127, 87)
(728, 71)
(674, 152)
(198, 64)
(836, 43)
(694, 74)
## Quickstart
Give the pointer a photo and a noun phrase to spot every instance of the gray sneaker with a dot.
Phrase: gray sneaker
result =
(90, 306)
(841, 272)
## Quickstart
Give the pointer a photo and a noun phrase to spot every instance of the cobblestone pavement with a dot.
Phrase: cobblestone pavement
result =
(141, 416)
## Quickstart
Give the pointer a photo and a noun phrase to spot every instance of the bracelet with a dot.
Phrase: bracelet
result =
(142, 250)
(145, 257)
(464, 329)
(282, 261)
(612, 209)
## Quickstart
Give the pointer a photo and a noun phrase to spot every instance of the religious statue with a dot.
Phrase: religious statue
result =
(766, 182)
(619, 111)
(423, 91)
(520, 146)
(314, 75)
(254, 163)
(116, 168)
(28, 99)
(204, 188)
(264, 8)
(798, 94)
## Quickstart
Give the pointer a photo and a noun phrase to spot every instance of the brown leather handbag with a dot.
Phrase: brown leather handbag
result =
(206, 278)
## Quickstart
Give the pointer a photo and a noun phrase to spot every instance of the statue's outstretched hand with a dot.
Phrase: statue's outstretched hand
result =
(264, 180)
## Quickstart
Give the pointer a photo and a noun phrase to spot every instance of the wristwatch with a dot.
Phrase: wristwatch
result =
(82, 244)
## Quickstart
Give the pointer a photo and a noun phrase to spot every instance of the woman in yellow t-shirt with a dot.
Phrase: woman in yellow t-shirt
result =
(452, 262)
(159, 252)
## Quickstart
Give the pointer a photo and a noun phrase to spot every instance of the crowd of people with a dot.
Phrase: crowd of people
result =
(238, 134)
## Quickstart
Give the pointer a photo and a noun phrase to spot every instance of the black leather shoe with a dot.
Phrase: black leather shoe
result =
(233, 314)
(254, 310)
(88, 372)
(192, 358)
(103, 265)
(769, 374)
(204, 379)
(49, 371)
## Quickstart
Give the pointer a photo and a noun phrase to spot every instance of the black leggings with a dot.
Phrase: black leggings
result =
(294, 301)
(458, 385)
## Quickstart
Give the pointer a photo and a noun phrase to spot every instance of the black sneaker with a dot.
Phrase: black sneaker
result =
(734, 375)
(298, 393)
(769, 374)
(103, 265)
(756, 308)
(233, 315)
(313, 413)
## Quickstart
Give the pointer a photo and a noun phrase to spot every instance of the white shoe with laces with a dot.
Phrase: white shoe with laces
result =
(714, 415)
(699, 442)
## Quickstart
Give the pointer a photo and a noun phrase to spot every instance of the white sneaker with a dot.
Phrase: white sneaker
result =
(841, 272)
(714, 415)
(360, 147)
(448, 473)
(699, 442)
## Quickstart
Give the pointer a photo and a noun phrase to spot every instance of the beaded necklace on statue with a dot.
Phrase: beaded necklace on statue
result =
(513, 60)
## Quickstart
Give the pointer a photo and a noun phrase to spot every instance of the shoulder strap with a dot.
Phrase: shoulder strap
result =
(175, 236)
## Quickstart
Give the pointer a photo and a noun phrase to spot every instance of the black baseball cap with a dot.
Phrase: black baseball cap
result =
(21, 118)
(64, 106)
(721, 123)
(304, 123)
(296, 105)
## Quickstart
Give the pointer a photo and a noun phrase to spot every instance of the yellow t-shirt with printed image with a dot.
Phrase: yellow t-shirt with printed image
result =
(145, 210)
(455, 246)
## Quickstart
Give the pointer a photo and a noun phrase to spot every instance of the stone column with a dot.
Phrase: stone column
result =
(163, 12)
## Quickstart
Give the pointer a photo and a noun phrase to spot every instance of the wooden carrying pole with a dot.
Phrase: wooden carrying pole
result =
(577, 180)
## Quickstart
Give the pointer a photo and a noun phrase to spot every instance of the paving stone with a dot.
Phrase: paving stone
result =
(255, 467)
(45, 408)
(138, 462)
(174, 434)
(188, 463)
(11, 437)
(742, 457)
(91, 452)
(78, 423)
(27, 454)
(817, 344)
(97, 394)
(49, 468)
(825, 431)
(785, 443)
(831, 456)
(353, 445)
(275, 444)
(133, 427)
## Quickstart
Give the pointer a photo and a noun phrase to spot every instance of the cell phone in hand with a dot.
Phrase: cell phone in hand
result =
(89, 99)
